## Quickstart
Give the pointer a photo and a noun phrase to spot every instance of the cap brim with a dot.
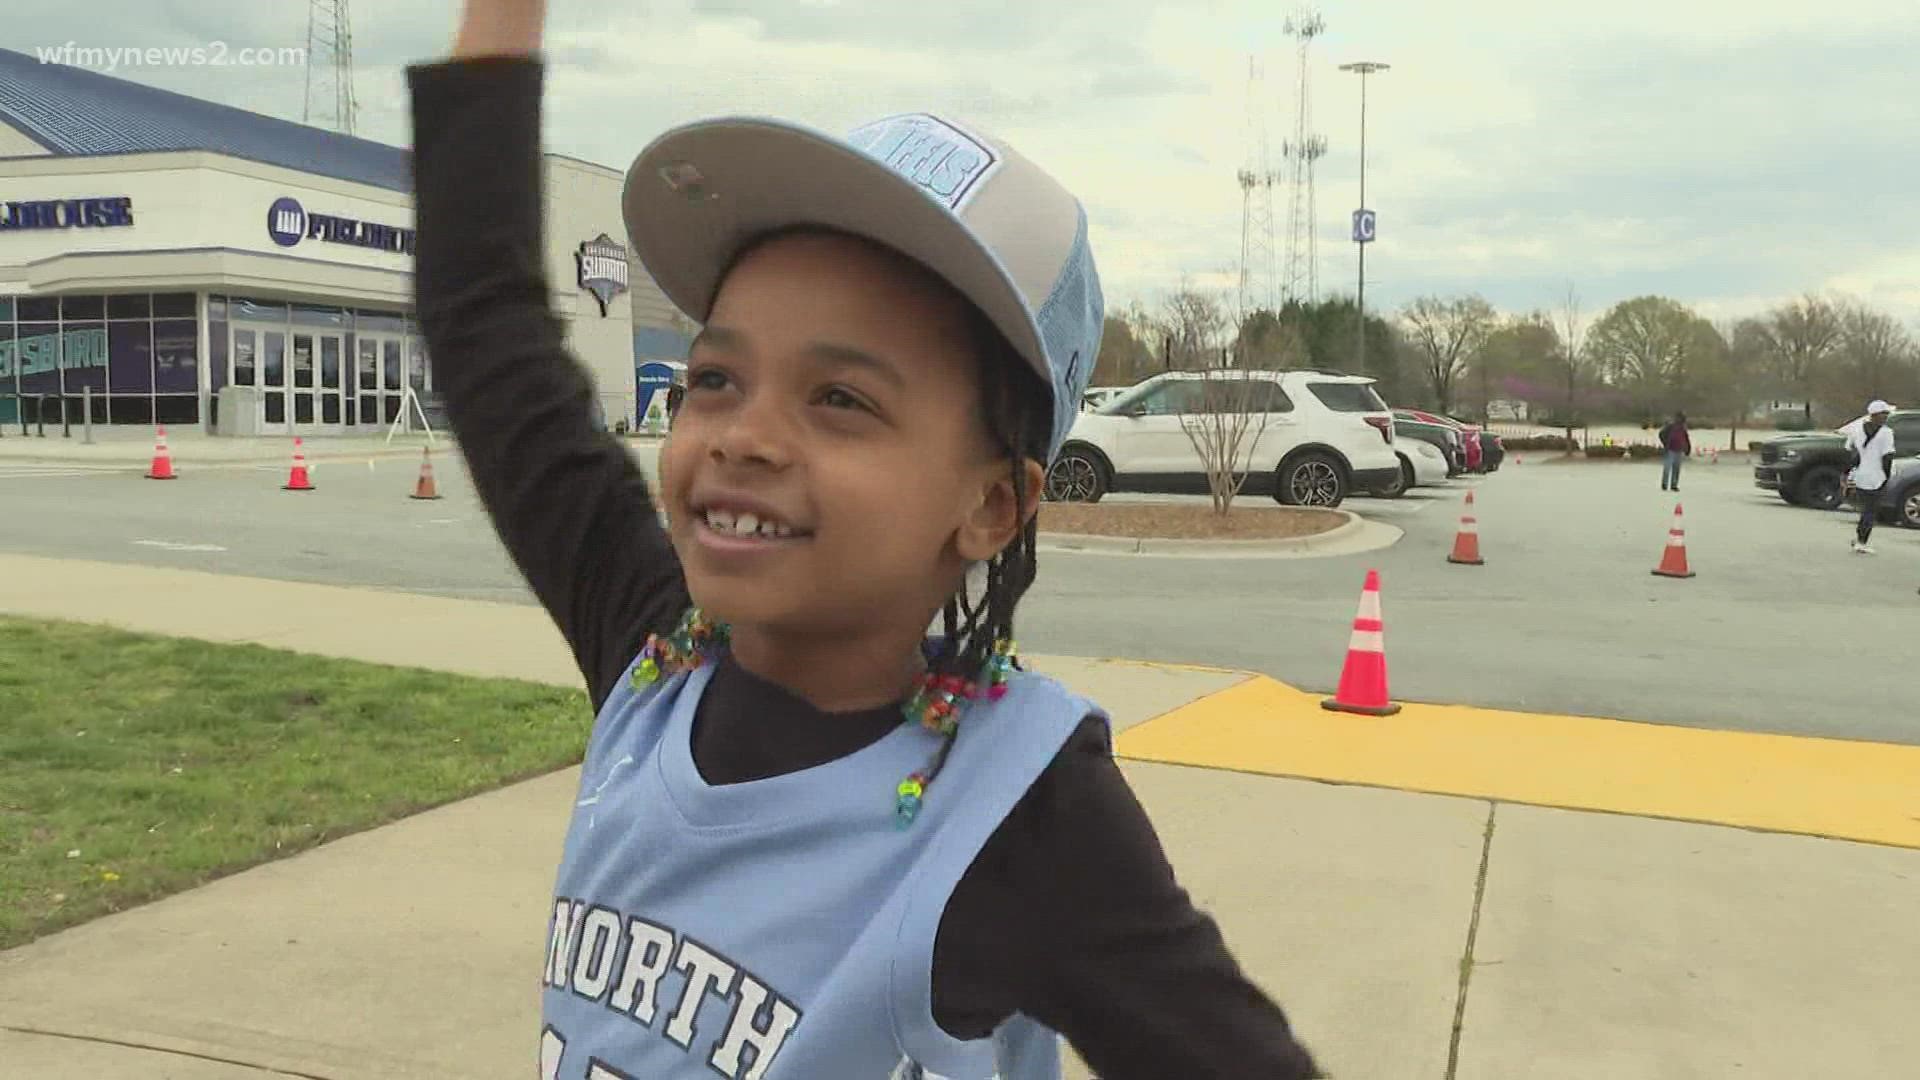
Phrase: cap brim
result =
(700, 192)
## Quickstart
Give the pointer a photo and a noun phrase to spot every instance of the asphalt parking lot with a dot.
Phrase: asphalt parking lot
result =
(1783, 629)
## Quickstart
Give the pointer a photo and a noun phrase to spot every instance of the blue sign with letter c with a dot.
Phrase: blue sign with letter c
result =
(1363, 226)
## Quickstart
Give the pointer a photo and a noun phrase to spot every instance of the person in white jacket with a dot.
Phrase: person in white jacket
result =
(1870, 441)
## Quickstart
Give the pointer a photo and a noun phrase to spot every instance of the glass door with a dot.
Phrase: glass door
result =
(393, 380)
(273, 381)
(366, 381)
(332, 392)
(379, 381)
(305, 367)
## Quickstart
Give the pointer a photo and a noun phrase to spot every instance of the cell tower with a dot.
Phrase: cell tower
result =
(1303, 256)
(330, 100)
(1257, 178)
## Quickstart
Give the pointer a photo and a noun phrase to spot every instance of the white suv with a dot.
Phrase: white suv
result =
(1316, 436)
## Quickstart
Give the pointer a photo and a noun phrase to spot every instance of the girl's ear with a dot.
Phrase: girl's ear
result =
(999, 516)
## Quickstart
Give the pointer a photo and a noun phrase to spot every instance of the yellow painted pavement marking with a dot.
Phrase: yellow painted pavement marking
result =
(1821, 787)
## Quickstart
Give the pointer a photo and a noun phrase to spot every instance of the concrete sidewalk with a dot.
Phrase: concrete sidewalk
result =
(1565, 945)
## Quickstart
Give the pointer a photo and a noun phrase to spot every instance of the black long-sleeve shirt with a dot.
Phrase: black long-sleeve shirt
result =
(1069, 914)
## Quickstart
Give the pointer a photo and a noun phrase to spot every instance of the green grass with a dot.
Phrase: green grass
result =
(134, 766)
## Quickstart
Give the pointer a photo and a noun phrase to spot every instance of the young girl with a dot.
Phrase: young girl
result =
(812, 842)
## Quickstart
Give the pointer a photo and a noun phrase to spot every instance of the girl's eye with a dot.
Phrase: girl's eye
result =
(706, 379)
(837, 398)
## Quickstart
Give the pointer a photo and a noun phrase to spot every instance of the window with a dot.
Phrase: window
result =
(268, 311)
(83, 357)
(176, 356)
(311, 315)
(39, 309)
(129, 306)
(83, 307)
(366, 321)
(1171, 398)
(130, 357)
(1348, 397)
(175, 306)
(216, 355)
(1267, 396)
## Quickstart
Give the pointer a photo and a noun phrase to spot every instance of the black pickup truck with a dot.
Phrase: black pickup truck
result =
(1810, 468)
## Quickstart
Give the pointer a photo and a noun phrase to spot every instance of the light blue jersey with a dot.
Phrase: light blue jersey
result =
(779, 929)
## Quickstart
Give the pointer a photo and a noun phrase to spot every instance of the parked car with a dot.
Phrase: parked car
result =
(1483, 450)
(1422, 462)
(1099, 396)
(1315, 437)
(1443, 438)
(1810, 468)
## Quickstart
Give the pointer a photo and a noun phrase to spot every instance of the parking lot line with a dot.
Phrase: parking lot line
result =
(1820, 787)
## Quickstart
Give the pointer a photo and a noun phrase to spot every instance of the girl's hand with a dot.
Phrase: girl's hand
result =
(500, 28)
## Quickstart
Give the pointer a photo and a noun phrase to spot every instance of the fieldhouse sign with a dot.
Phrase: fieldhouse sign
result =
(89, 213)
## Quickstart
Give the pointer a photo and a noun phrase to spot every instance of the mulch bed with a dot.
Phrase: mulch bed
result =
(1187, 521)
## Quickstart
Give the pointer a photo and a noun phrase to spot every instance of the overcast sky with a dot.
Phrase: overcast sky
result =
(1728, 153)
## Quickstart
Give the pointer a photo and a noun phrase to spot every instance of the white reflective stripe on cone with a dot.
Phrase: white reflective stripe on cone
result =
(1369, 605)
(1368, 641)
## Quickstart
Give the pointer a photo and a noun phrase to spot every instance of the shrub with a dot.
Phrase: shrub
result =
(1639, 451)
(1596, 450)
(1540, 442)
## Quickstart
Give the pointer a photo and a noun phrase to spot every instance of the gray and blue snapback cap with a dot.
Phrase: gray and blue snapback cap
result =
(982, 217)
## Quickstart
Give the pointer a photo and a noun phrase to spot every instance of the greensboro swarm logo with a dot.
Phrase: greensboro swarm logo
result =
(603, 268)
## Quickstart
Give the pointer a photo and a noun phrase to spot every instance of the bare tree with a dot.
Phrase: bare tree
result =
(1801, 337)
(1192, 325)
(1875, 358)
(1226, 416)
(1448, 333)
(1573, 358)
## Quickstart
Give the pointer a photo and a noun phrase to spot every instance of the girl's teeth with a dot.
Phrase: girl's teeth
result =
(746, 525)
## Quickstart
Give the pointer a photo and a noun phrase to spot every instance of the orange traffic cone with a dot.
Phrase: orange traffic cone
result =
(162, 467)
(298, 480)
(1363, 681)
(1674, 562)
(1466, 543)
(425, 488)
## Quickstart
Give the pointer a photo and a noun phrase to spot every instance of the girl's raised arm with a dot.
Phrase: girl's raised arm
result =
(567, 499)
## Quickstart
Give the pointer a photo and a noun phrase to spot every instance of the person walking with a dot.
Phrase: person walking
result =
(1870, 441)
(1678, 445)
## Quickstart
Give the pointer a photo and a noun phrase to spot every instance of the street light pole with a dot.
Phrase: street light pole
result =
(1363, 69)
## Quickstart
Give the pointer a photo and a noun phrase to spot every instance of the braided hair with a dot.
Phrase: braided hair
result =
(1015, 410)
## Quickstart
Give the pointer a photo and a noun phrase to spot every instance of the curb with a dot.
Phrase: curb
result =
(110, 461)
(1127, 545)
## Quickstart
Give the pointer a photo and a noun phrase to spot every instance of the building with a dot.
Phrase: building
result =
(167, 259)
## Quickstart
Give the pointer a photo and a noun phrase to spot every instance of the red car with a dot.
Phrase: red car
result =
(1484, 450)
